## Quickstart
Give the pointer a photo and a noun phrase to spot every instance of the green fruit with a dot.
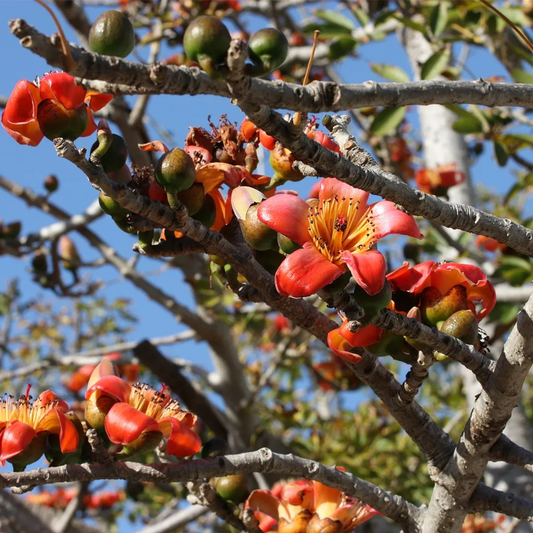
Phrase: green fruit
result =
(175, 171)
(463, 325)
(268, 48)
(112, 34)
(192, 198)
(208, 213)
(372, 305)
(233, 488)
(55, 120)
(207, 41)
(115, 157)
(111, 207)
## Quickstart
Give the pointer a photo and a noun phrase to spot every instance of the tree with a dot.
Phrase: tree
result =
(328, 361)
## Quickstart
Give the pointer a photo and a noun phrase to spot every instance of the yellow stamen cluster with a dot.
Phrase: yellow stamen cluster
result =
(154, 403)
(339, 224)
(24, 410)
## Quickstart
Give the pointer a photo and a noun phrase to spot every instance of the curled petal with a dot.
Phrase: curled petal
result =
(341, 341)
(286, 214)
(182, 440)
(124, 423)
(104, 368)
(56, 422)
(305, 272)
(91, 124)
(368, 269)
(60, 86)
(19, 118)
(353, 514)
(154, 146)
(331, 187)
(223, 210)
(112, 386)
(14, 439)
(96, 100)
(242, 198)
(388, 219)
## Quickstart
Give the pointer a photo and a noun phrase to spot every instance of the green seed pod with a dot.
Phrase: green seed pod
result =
(112, 34)
(175, 171)
(111, 207)
(55, 120)
(207, 41)
(232, 488)
(268, 48)
(463, 325)
(115, 157)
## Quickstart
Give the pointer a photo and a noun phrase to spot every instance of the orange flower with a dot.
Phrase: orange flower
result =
(24, 426)
(302, 505)
(439, 180)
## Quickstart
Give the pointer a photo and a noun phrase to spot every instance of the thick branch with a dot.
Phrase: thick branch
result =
(264, 461)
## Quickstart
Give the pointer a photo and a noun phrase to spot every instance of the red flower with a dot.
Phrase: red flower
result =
(23, 120)
(22, 423)
(443, 277)
(140, 416)
(339, 232)
(437, 181)
(407, 286)
(302, 505)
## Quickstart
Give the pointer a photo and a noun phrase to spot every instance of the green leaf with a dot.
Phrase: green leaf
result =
(438, 18)
(521, 76)
(515, 14)
(327, 31)
(524, 137)
(340, 47)
(468, 125)
(413, 25)
(387, 121)
(334, 17)
(361, 15)
(435, 65)
(500, 153)
(390, 72)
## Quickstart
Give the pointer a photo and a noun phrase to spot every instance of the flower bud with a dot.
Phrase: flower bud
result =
(112, 207)
(232, 488)
(51, 183)
(206, 41)
(68, 252)
(415, 313)
(286, 245)
(281, 160)
(116, 154)
(112, 34)
(267, 49)
(175, 171)
(39, 263)
(435, 307)
(55, 120)
(324, 525)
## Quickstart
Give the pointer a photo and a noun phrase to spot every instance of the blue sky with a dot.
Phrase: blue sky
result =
(29, 167)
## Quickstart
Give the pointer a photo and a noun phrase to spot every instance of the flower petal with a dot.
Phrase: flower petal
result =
(112, 386)
(19, 118)
(388, 219)
(60, 86)
(353, 514)
(264, 502)
(305, 272)
(91, 124)
(124, 423)
(331, 187)
(14, 439)
(286, 214)
(368, 269)
(413, 280)
(56, 422)
(182, 440)
(326, 499)
(340, 341)
(223, 210)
